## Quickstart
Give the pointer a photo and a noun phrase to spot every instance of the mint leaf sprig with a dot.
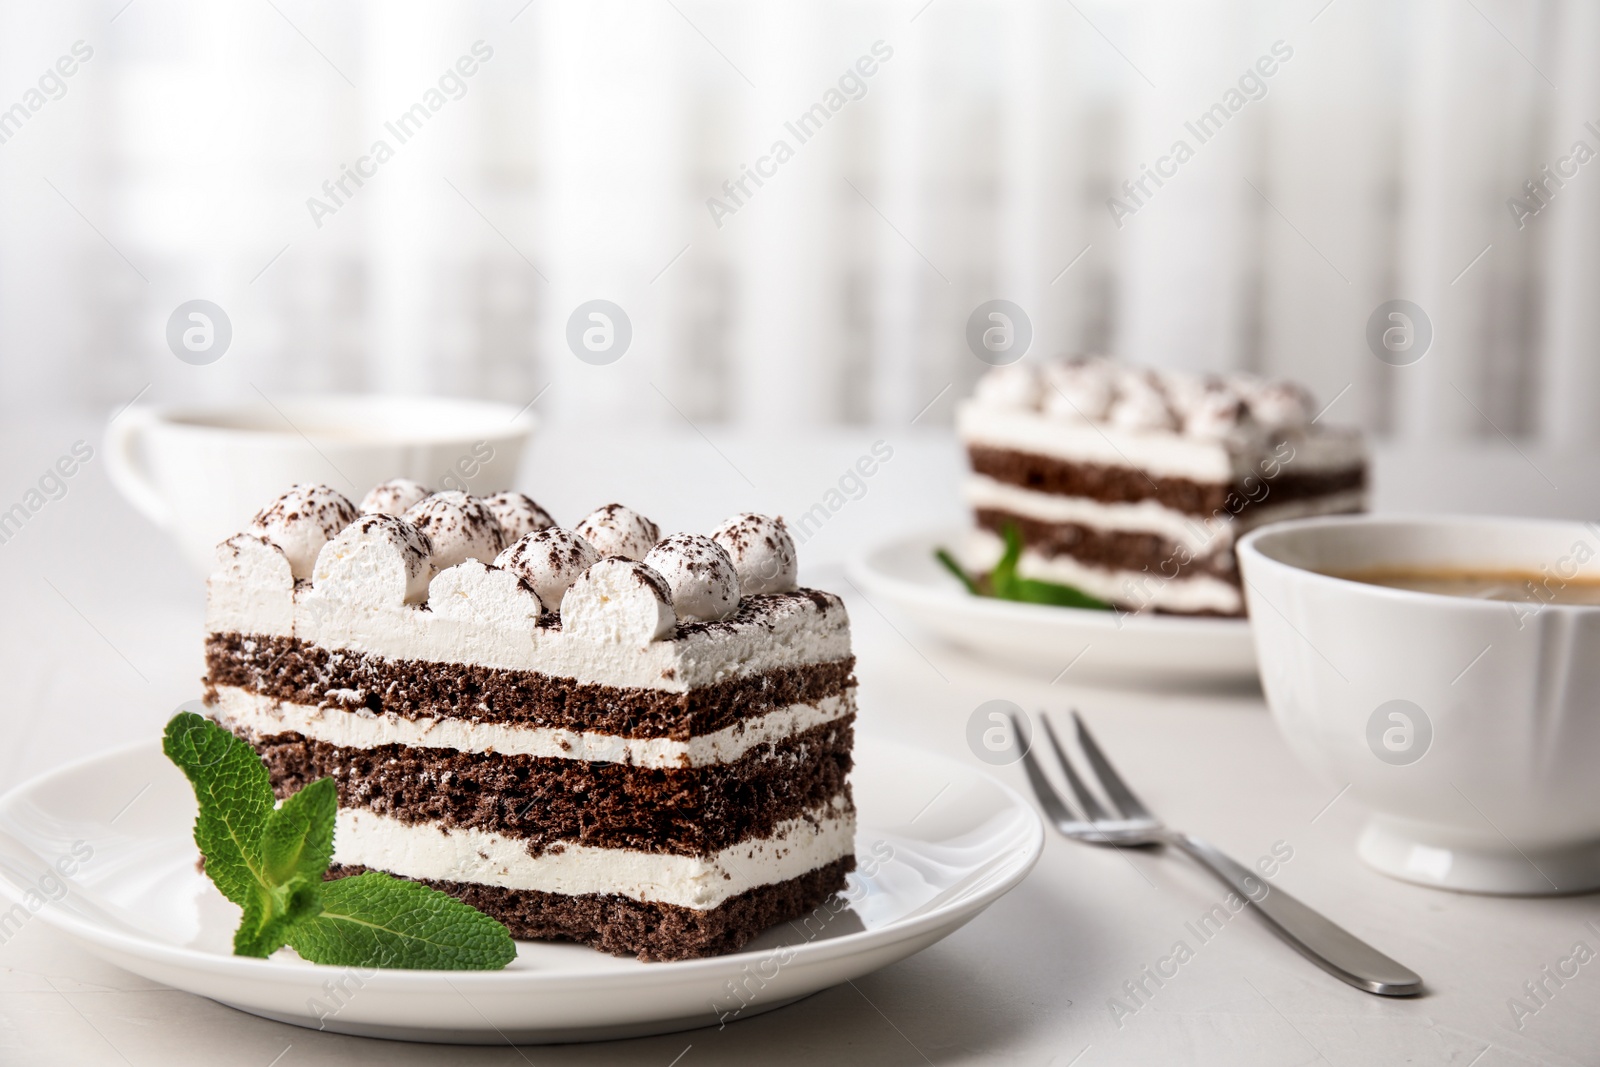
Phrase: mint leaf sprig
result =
(1004, 583)
(270, 860)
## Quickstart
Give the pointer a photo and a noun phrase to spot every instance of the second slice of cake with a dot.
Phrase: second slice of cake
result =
(1133, 485)
(638, 743)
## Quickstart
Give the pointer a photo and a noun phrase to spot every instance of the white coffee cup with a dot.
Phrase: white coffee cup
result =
(201, 471)
(1469, 728)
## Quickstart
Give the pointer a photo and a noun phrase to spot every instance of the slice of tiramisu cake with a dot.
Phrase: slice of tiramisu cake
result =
(1132, 486)
(596, 733)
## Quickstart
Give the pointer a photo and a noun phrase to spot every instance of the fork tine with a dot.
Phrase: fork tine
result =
(1086, 800)
(1131, 806)
(1046, 793)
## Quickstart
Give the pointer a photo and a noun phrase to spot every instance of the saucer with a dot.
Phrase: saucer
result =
(903, 577)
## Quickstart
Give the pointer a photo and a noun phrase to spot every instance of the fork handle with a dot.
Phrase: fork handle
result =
(1324, 943)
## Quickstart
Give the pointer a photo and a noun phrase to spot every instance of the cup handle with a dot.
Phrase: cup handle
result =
(123, 463)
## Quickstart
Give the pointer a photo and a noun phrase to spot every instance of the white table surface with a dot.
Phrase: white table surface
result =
(100, 641)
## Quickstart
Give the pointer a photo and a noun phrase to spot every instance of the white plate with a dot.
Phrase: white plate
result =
(938, 842)
(903, 576)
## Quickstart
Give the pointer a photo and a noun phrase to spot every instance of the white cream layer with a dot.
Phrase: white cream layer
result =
(1130, 590)
(1202, 536)
(794, 634)
(1160, 454)
(361, 728)
(430, 850)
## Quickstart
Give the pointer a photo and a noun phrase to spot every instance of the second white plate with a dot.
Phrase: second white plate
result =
(903, 576)
(102, 850)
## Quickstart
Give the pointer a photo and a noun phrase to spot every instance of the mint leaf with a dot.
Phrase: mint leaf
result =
(296, 846)
(950, 564)
(375, 920)
(1033, 591)
(1004, 583)
(1004, 574)
(270, 860)
(297, 842)
(234, 792)
(271, 915)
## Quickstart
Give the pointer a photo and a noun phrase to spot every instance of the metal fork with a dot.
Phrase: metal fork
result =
(1324, 943)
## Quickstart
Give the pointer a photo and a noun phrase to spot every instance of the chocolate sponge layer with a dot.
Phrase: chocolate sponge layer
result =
(1115, 550)
(299, 672)
(682, 810)
(1128, 485)
(647, 930)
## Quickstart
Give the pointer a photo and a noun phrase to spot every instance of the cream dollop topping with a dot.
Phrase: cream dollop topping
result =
(1079, 390)
(251, 559)
(762, 552)
(378, 560)
(1099, 390)
(1141, 404)
(394, 497)
(1015, 385)
(704, 583)
(461, 527)
(550, 561)
(618, 531)
(1279, 405)
(1213, 414)
(620, 601)
(518, 516)
(477, 592)
(301, 520)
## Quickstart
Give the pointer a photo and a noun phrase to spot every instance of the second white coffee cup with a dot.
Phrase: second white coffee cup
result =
(201, 471)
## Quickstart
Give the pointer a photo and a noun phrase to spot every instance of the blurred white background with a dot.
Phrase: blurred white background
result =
(576, 162)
